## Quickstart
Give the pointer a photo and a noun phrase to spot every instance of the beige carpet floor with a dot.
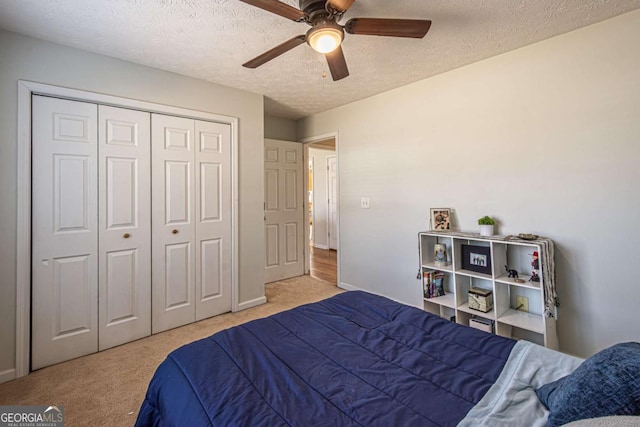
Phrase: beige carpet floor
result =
(107, 388)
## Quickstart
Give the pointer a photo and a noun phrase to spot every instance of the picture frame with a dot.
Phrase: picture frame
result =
(476, 258)
(440, 219)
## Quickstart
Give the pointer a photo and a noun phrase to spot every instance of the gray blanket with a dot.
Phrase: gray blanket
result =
(512, 400)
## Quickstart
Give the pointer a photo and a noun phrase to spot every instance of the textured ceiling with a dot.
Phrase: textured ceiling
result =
(211, 39)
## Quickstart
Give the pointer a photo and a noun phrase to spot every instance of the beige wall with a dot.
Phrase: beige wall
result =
(279, 128)
(31, 59)
(545, 138)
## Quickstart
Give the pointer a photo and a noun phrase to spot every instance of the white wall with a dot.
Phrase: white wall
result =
(545, 138)
(31, 59)
(320, 205)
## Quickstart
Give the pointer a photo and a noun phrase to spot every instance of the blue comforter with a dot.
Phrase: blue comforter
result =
(353, 359)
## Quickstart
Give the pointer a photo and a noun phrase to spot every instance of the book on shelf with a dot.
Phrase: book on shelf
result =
(432, 283)
(482, 324)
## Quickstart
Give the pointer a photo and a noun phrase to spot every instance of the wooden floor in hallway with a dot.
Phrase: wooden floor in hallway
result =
(324, 265)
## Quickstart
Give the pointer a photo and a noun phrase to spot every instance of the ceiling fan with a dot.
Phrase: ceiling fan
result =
(326, 35)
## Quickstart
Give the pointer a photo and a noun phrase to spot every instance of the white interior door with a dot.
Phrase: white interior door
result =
(173, 228)
(92, 225)
(284, 214)
(213, 219)
(332, 192)
(125, 225)
(64, 260)
(192, 228)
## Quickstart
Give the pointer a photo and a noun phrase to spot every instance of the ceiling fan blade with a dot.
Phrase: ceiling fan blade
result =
(414, 28)
(341, 5)
(277, 7)
(275, 52)
(337, 64)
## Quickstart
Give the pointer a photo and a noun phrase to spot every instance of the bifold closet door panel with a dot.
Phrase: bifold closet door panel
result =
(124, 279)
(213, 219)
(112, 186)
(64, 259)
(173, 228)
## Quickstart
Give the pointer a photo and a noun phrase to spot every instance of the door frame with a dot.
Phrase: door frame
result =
(306, 142)
(328, 184)
(23, 251)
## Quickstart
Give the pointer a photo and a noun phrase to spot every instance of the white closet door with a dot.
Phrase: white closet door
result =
(173, 228)
(284, 214)
(213, 219)
(64, 231)
(125, 225)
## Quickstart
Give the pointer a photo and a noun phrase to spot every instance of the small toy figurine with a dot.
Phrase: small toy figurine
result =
(512, 273)
(535, 264)
(534, 277)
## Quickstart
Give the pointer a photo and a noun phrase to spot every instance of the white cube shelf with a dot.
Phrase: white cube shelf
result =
(508, 320)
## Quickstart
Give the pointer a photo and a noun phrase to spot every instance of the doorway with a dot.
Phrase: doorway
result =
(322, 209)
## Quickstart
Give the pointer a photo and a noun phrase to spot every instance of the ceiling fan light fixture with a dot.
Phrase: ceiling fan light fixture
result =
(325, 38)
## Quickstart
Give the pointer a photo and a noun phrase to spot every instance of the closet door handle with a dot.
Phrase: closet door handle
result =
(126, 235)
(174, 231)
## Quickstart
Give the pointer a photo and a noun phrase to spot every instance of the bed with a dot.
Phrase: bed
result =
(355, 359)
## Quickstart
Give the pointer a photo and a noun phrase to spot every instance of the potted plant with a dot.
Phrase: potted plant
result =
(486, 224)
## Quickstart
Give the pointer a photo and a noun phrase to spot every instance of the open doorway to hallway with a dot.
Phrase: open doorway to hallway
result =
(322, 190)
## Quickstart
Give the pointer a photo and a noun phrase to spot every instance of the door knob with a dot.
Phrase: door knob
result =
(174, 231)
(126, 235)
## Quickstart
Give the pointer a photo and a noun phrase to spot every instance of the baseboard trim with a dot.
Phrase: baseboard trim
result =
(325, 247)
(348, 287)
(252, 303)
(8, 375)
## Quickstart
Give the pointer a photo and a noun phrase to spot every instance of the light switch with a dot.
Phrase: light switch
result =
(364, 203)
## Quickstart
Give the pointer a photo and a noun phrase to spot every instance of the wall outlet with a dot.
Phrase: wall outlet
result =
(365, 203)
(522, 303)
